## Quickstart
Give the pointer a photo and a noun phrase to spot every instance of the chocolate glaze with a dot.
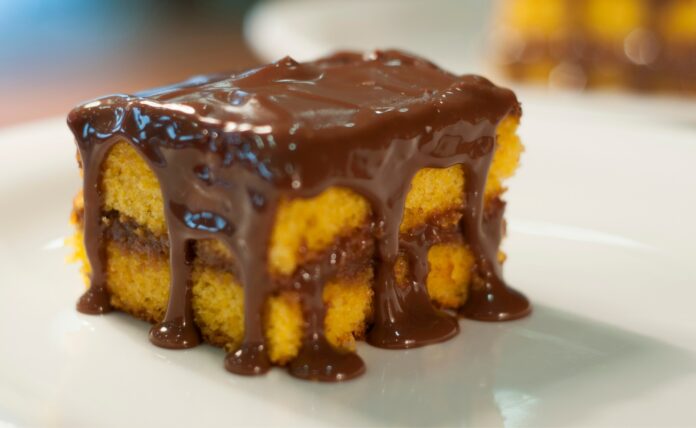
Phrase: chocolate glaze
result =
(226, 149)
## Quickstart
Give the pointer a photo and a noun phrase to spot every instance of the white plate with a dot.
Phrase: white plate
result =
(601, 239)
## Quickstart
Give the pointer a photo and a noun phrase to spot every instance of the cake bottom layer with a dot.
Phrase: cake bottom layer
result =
(138, 282)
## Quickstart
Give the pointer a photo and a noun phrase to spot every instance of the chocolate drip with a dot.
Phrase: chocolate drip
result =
(252, 252)
(228, 149)
(490, 299)
(317, 359)
(404, 316)
(96, 299)
(177, 330)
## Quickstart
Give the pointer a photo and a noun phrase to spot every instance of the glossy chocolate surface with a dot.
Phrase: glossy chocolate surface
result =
(227, 148)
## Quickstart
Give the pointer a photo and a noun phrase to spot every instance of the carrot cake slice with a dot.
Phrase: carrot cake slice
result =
(646, 45)
(289, 210)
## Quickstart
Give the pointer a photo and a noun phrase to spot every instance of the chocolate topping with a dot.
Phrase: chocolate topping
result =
(227, 148)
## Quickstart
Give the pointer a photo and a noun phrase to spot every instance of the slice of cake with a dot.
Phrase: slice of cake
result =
(287, 211)
(638, 44)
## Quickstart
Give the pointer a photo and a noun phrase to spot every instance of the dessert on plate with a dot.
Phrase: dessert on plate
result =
(647, 45)
(287, 211)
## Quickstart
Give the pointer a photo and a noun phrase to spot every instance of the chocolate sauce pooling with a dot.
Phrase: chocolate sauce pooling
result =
(227, 148)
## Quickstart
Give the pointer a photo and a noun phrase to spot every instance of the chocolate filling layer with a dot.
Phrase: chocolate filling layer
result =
(354, 251)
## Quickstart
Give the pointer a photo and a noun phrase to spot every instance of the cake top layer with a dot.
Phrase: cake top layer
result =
(273, 116)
